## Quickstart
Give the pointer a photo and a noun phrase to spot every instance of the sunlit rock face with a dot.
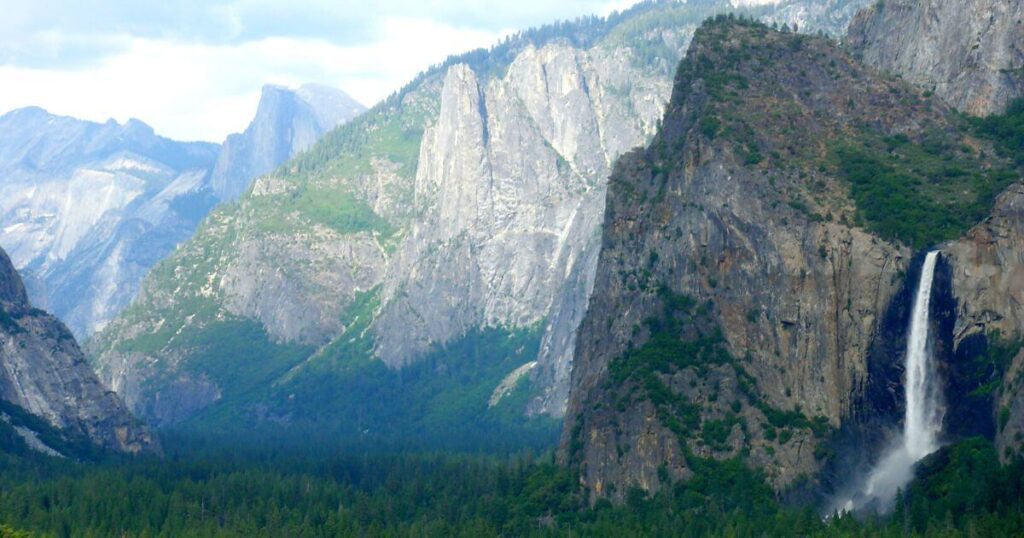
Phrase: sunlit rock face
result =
(471, 198)
(87, 209)
(286, 122)
(969, 52)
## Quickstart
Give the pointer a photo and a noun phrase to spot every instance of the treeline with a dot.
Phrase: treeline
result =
(342, 395)
(218, 492)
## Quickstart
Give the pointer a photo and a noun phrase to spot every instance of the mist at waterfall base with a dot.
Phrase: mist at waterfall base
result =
(923, 416)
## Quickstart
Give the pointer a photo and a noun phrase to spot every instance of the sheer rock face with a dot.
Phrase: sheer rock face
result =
(969, 52)
(988, 284)
(511, 183)
(286, 123)
(87, 208)
(43, 371)
(493, 190)
(500, 217)
(799, 300)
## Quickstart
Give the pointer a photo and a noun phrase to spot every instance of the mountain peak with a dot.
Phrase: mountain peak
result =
(27, 112)
(287, 121)
(12, 290)
(137, 124)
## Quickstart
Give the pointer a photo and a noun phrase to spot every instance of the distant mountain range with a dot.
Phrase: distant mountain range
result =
(86, 209)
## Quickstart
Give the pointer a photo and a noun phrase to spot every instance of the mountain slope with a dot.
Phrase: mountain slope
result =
(88, 209)
(830, 16)
(969, 52)
(414, 211)
(43, 372)
(752, 257)
(468, 201)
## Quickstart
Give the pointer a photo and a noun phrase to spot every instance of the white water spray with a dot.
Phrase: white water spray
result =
(923, 420)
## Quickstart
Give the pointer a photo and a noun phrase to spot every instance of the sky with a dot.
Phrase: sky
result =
(193, 69)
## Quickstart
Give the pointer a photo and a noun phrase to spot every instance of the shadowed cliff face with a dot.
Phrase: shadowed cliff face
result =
(876, 418)
(741, 204)
(43, 371)
(988, 283)
(969, 52)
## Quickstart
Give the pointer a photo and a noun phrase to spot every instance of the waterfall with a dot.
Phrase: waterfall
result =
(923, 415)
(923, 419)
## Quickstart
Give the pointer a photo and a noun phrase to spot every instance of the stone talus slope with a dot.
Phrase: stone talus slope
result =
(969, 52)
(735, 220)
(43, 371)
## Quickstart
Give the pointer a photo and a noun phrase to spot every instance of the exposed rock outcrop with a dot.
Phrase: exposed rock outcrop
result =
(969, 52)
(470, 199)
(988, 285)
(829, 16)
(481, 190)
(732, 288)
(286, 123)
(43, 371)
(87, 209)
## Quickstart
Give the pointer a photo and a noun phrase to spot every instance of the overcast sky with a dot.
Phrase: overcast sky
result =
(193, 69)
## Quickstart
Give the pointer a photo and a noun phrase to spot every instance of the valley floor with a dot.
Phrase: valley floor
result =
(206, 488)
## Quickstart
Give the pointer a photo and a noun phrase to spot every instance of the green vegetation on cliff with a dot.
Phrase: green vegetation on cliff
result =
(1007, 130)
(685, 337)
(916, 173)
(919, 193)
(14, 418)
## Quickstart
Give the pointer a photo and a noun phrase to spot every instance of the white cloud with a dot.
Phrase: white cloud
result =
(204, 92)
(200, 90)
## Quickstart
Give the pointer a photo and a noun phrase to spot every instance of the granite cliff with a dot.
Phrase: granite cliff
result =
(44, 373)
(752, 257)
(470, 200)
(287, 122)
(86, 209)
(968, 52)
